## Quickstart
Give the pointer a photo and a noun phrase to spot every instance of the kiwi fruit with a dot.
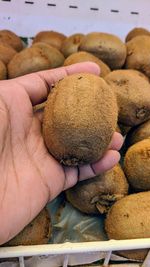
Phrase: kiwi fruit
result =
(37, 232)
(80, 118)
(27, 61)
(133, 94)
(138, 56)
(71, 44)
(109, 48)
(139, 133)
(97, 195)
(10, 38)
(136, 32)
(50, 37)
(124, 129)
(53, 54)
(3, 71)
(85, 56)
(129, 218)
(137, 165)
(6, 53)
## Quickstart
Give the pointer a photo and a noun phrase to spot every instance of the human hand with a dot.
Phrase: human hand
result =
(30, 176)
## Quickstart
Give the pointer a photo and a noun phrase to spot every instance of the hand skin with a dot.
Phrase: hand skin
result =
(30, 176)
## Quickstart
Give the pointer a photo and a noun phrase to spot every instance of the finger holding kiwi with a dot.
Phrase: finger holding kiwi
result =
(85, 56)
(80, 118)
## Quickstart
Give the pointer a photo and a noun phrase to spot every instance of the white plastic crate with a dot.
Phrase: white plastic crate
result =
(26, 18)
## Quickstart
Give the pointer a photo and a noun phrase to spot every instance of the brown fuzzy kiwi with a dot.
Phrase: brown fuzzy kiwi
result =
(10, 38)
(50, 37)
(136, 32)
(53, 54)
(85, 56)
(80, 118)
(129, 218)
(109, 48)
(6, 53)
(133, 96)
(97, 195)
(138, 56)
(37, 232)
(27, 61)
(71, 44)
(137, 165)
(139, 133)
(3, 71)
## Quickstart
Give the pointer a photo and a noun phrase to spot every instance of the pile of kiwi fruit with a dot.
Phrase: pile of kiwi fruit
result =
(83, 111)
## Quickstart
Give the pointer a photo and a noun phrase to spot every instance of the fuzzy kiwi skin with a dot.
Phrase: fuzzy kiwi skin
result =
(53, 54)
(3, 71)
(137, 165)
(80, 118)
(50, 37)
(109, 48)
(129, 218)
(138, 133)
(37, 232)
(98, 194)
(10, 38)
(138, 56)
(133, 93)
(71, 44)
(136, 32)
(28, 61)
(6, 53)
(85, 56)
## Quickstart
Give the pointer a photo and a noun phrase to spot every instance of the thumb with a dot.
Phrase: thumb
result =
(38, 84)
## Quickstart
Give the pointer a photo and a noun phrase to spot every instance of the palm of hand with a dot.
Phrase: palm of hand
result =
(25, 163)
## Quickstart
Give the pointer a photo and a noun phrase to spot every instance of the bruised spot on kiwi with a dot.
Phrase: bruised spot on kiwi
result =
(141, 113)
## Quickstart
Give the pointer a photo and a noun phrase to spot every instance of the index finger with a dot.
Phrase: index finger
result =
(38, 84)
